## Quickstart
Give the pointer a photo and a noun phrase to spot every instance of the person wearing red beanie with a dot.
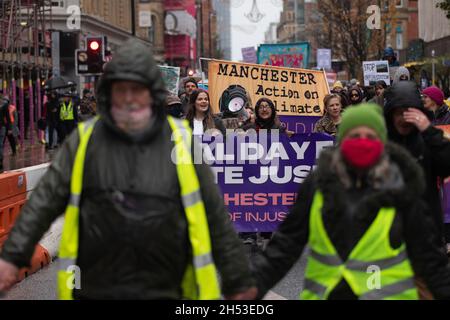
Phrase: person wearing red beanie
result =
(433, 100)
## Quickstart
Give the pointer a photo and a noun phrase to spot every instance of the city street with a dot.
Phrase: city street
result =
(144, 143)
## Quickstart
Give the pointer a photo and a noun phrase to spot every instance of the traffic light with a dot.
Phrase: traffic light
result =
(95, 50)
(81, 62)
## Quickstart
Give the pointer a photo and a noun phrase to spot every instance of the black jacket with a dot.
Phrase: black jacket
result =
(52, 111)
(4, 115)
(133, 231)
(350, 207)
(429, 148)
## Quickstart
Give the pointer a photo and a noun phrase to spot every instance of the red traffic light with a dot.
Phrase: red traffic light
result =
(94, 45)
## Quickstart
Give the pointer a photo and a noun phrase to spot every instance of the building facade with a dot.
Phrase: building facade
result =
(270, 37)
(118, 20)
(223, 16)
(434, 28)
(180, 37)
(402, 29)
(207, 29)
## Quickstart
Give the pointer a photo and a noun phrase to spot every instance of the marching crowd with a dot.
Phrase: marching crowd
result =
(141, 226)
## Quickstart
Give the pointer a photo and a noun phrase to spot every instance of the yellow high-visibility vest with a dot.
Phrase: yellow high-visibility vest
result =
(373, 270)
(200, 280)
(66, 111)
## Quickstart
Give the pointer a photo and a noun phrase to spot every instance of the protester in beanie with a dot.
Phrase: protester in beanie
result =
(360, 207)
(337, 87)
(433, 100)
(174, 106)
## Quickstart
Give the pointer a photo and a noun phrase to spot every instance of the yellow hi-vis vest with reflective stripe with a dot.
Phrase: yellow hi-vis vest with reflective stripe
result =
(200, 280)
(66, 111)
(373, 270)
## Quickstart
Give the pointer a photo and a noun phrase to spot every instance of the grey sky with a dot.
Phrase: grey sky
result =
(245, 33)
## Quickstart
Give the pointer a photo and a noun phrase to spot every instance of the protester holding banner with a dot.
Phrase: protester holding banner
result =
(359, 211)
(251, 114)
(266, 117)
(409, 125)
(332, 118)
(433, 100)
(199, 114)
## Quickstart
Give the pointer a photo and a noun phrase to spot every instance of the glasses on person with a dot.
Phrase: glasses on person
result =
(264, 107)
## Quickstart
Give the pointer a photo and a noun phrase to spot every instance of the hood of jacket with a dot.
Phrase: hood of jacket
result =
(360, 93)
(401, 71)
(403, 94)
(133, 62)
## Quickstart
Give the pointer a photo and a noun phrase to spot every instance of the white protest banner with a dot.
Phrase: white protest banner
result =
(324, 59)
(171, 76)
(375, 71)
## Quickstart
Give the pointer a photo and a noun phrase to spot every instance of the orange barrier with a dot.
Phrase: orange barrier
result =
(40, 259)
(13, 195)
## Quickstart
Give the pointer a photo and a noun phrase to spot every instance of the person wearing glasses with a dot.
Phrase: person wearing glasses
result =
(266, 117)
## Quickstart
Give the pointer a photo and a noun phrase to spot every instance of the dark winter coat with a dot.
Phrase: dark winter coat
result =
(350, 207)
(53, 108)
(429, 148)
(441, 116)
(134, 240)
(4, 115)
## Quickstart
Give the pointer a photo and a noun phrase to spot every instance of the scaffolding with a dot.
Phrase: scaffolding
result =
(25, 57)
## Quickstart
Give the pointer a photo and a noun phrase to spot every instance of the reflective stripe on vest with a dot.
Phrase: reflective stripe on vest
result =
(68, 250)
(200, 279)
(66, 112)
(373, 270)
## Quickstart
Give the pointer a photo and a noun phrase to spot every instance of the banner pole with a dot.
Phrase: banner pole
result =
(325, 75)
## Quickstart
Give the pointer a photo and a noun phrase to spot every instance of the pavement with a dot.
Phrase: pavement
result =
(42, 285)
(28, 155)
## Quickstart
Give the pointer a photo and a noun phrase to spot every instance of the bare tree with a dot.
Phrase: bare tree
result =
(342, 26)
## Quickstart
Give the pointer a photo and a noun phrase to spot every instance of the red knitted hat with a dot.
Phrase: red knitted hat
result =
(435, 94)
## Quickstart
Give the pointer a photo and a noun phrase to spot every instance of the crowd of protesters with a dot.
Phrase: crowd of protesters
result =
(373, 199)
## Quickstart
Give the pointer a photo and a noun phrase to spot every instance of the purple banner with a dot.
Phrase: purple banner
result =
(299, 124)
(446, 201)
(260, 175)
